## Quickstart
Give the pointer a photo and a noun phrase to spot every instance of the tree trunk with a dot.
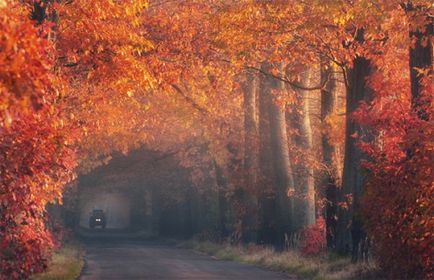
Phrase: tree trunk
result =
(420, 55)
(251, 163)
(328, 106)
(349, 226)
(222, 201)
(304, 173)
(267, 199)
(281, 162)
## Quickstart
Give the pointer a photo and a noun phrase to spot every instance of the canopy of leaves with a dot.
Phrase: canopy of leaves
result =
(89, 78)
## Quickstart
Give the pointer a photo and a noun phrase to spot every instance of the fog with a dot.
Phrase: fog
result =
(143, 192)
(116, 206)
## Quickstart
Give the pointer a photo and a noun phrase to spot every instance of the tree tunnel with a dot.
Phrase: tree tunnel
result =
(145, 191)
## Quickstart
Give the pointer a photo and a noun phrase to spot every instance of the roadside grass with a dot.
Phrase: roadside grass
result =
(66, 263)
(322, 267)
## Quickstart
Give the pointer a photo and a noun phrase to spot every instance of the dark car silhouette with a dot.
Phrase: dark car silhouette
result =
(97, 218)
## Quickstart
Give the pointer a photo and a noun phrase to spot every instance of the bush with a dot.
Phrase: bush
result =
(313, 239)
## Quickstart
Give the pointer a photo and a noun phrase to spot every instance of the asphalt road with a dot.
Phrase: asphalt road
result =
(150, 260)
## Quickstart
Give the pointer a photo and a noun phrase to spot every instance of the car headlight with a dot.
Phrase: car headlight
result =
(98, 220)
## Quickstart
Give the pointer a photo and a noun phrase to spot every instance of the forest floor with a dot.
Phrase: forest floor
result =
(321, 267)
(66, 263)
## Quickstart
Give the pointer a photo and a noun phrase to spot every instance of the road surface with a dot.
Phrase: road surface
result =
(150, 260)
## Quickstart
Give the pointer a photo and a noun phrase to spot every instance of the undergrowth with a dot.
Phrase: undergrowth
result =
(325, 266)
(66, 263)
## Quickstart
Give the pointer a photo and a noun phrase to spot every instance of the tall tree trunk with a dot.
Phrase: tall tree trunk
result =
(307, 186)
(251, 159)
(328, 106)
(222, 201)
(267, 199)
(282, 166)
(281, 162)
(349, 226)
(420, 54)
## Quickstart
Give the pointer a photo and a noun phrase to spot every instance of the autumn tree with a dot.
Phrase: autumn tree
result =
(401, 181)
(231, 89)
(251, 163)
(36, 155)
(280, 156)
(329, 108)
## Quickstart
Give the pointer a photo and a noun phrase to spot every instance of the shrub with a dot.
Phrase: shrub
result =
(313, 238)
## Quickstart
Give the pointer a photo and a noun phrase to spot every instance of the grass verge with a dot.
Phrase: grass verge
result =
(321, 267)
(66, 263)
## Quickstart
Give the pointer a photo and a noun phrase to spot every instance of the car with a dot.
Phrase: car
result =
(97, 218)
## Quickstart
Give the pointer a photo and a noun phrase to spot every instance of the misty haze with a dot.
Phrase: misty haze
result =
(216, 139)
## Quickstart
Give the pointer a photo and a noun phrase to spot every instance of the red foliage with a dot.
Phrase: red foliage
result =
(34, 166)
(313, 238)
(35, 161)
(399, 200)
(399, 204)
(108, 53)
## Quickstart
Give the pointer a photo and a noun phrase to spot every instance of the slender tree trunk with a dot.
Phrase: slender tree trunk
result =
(308, 187)
(420, 54)
(349, 226)
(304, 173)
(328, 106)
(251, 159)
(267, 199)
(222, 201)
(282, 166)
